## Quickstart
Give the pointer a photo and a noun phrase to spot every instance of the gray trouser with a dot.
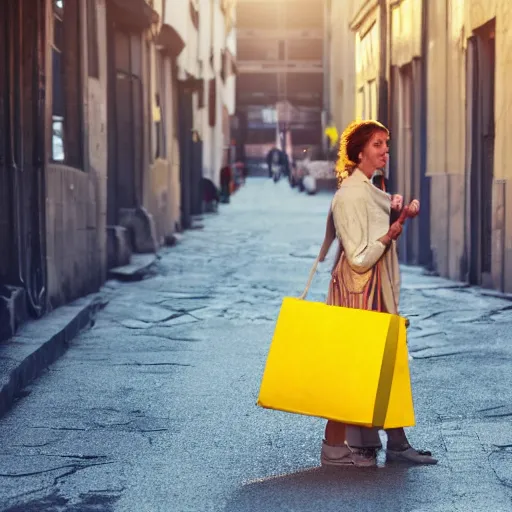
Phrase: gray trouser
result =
(362, 437)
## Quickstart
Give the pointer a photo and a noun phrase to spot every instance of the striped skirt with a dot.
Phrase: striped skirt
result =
(353, 290)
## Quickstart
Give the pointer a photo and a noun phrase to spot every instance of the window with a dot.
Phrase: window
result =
(66, 84)
(360, 109)
(160, 107)
(372, 99)
(281, 50)
(92, 40)
(269, 115)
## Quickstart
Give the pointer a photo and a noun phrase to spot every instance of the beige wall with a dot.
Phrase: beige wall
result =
(450, 24)
(162, 194)
(447, 83)
(214, 40)
(447, 149)
(477, 13)
(405, 31)
(76, 199)
(342, 65)
(446, 131)
(436, 87)
(446, 89)
(367, 48)
(162, 179)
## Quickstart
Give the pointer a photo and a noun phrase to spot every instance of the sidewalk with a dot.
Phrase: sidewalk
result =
(39, 343)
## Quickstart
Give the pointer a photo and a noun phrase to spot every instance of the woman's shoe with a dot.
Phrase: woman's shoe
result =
(347, 456)
(409, 454)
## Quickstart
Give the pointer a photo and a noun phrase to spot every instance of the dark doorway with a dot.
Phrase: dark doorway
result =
(481, 86)
(8, 160)
(407, 157)
(22, 151)
(405, 149)
(197, 175)
(186, 138)
(125, 121)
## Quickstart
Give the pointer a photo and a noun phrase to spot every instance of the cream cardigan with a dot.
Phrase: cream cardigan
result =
(361, 216)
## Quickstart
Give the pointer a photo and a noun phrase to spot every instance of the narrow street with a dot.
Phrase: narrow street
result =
(153, 408)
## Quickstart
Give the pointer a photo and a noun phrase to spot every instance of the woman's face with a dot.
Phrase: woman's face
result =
(375, 153)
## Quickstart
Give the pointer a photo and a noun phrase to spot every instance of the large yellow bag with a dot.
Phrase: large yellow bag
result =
(342, 364)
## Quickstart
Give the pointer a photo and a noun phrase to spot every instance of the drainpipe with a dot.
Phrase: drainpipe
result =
(383, 111)
(38, 294)
(327, 114)
(425, 256)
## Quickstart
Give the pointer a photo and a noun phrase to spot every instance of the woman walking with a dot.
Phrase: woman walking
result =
(366, 274)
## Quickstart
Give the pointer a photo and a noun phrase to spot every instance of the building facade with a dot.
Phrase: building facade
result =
(102, 109)
(280, 86)
(436, 73)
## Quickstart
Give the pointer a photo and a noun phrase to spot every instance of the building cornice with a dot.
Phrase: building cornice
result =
(363, 13)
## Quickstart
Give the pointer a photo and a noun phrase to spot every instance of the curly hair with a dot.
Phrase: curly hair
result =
(352, 142)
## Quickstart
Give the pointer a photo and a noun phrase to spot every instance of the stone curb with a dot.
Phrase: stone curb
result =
(39, 343)
(138, 268)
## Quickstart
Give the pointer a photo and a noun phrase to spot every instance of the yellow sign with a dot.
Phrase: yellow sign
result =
(332, 133)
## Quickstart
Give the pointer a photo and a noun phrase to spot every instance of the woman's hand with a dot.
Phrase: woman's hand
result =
(395, 230)
(397, 202)
(414, 208)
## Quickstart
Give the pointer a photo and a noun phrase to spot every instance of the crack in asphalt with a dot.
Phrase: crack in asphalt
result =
(56, 455)
(188, 313)
(420, 349)
(437, 313)
(428, 335)
(35, 445)
(491, 408)
(503, 481)
(72, 429)
(503, 447)
(81, 457)
(109, 425)
(152, 364)
(74, 468)
(28, 493)
(167, 338)
(190, 297)
(448, 354)
(486, 317)
(504, 415)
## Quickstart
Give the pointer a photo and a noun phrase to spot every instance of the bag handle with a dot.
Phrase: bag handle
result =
(310, 279)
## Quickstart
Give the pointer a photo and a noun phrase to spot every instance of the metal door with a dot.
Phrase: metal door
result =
(481, 83)
(125, 167)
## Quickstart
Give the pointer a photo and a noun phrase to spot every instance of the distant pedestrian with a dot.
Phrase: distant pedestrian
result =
(366, 275)
(210, 195)
(277, 157)
(225, 184)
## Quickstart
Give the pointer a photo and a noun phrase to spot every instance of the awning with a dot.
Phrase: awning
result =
(192, 84)
(170, 41)
(194, 15)
(134, 13)
(229, 66)
(177, 14)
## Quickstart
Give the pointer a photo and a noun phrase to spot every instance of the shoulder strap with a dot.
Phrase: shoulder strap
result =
(310, 279)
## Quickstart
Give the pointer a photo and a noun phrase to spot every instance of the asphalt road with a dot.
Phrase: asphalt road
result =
(153, 409)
